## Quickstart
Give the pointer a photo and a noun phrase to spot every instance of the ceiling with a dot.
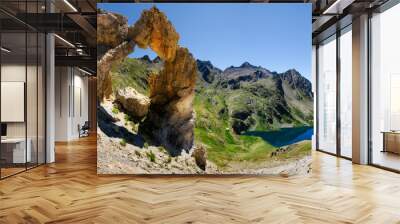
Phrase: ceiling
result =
(332, 15)
(73, 22)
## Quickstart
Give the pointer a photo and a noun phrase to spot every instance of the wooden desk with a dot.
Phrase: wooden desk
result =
(391, 141)
(13, 150)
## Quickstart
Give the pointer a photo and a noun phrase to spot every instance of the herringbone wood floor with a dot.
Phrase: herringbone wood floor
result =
(69, 191)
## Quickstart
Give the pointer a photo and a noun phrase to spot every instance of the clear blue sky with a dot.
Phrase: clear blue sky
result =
(275, 36)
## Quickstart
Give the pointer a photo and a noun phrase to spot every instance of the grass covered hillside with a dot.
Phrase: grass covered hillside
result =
(233, 102)
(134, 73)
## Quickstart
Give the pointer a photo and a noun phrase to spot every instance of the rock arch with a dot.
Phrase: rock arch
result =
(170, 120)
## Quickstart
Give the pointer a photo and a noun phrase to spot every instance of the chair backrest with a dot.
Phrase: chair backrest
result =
(86, 125)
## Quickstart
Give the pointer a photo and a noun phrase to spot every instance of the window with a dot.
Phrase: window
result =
(22, 77)
(335, 74)
(346, 92)
(327, 95)
(385, 89)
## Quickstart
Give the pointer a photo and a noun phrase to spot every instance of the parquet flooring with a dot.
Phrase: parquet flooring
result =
(70, 191)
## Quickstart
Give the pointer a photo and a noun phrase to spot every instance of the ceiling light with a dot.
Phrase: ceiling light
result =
(5, 49)
(70, 5)
(86, 72)
(79, 51)
(338, 6)
(332, 7)
(64, 40)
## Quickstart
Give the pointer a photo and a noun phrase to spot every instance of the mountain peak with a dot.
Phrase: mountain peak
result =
(205, 63)
(292, 71)
(146, 58)
(156, 59)
(296, 80)
(247, 65)
(207, 70)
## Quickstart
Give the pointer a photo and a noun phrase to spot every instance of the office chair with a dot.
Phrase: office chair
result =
(84, 130)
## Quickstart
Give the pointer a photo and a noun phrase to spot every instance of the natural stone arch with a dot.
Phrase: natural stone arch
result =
(170, 120)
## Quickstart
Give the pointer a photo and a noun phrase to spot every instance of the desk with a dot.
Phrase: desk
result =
(13, 150)
(391, 141)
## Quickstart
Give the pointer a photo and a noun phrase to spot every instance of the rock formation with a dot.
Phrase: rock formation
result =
(169, 121)
(135, 103)
(113, 46)
(207, 71)
(104, 65)
(200, 155)
(112, 29)
(155, 31)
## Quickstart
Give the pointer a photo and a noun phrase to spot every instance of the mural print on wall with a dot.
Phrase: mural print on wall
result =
(189, 89)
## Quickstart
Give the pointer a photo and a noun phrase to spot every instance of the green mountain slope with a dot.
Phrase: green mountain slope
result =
(231, 102)
(258, 99)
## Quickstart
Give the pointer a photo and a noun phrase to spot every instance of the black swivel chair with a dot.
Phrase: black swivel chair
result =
(84, 130)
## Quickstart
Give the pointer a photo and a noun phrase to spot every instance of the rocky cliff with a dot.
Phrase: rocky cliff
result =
(207, 71)
(256, 98)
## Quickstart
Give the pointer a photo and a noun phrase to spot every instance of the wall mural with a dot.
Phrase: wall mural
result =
(162, 110)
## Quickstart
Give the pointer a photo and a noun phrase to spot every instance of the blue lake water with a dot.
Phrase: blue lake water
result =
(283, 136)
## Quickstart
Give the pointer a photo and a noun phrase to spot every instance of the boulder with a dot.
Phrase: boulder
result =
(135, 103)
(200, 155)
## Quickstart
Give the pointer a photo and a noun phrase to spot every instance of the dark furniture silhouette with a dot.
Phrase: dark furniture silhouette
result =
(84, 130)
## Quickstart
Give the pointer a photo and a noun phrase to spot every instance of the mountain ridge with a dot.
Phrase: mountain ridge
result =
(246, 72)
(249, 72)
(247, 64)
(248, 97)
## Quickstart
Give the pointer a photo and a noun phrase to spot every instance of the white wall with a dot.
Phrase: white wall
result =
(33, 126)
(12, 73)
(16, 73)
(70, 83)
(79, 117)
(61, 114)
(13, 101)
